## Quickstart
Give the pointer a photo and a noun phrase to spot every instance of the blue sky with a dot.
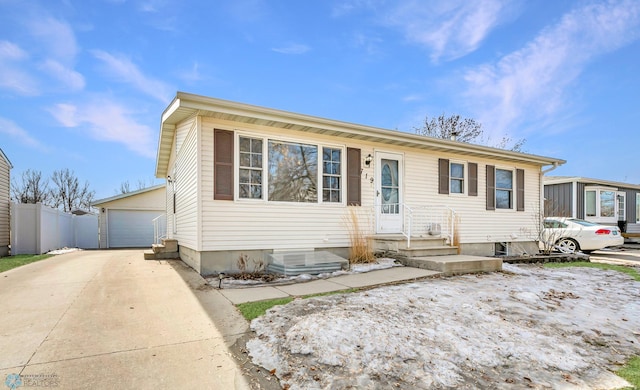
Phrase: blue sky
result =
(83, 82)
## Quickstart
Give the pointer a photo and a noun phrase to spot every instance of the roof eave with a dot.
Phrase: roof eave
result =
(186, 104)
(126, 195)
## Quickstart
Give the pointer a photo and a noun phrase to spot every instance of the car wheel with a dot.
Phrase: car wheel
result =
(567, 245)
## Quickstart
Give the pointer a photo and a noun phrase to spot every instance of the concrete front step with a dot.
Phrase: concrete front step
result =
(455, 264)
(397, 242)
(168, 245)
(151, 255)
(444, 250)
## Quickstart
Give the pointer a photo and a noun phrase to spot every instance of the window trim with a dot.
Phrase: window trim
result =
(512, 206)
(465, 177)
(598, 217)
(265, 166)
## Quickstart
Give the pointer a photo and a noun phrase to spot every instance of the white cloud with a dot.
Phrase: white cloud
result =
(11, 51)
(106, 120)
(294, 48)
(71, 79)
(449, 29)
(11, 129)
(57, 36)
(12, 74)
(532, 82)
(124, 70)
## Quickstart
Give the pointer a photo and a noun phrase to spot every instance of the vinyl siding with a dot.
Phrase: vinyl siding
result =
(4, 204)
(186, 184)
(580, 212)
(245, 225)
(558, 200)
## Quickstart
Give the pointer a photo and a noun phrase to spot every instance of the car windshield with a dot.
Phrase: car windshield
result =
(583, 222)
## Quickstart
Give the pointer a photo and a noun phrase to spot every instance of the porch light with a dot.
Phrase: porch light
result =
(367, 160)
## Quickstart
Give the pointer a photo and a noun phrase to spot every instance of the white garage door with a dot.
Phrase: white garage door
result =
(131, 228)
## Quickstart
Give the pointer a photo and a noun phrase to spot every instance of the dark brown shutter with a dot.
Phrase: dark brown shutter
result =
(353, 177)
(520, 189)
(223, 164)
(443, 176)
(491, 187)
(473, 179)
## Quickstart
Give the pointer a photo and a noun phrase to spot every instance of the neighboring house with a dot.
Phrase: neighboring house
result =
(600, 201)
(246, 181)
(5, 202)
(126, 220)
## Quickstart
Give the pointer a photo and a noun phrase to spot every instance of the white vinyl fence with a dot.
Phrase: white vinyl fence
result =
(37, 229)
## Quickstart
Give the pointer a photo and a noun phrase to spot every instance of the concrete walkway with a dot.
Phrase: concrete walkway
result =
(367, 279)
(109, 319)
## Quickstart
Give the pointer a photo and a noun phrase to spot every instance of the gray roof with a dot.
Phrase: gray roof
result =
(587, 180)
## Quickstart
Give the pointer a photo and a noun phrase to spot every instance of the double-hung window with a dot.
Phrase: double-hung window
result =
(287, 171)
(331, 175)
(250, 168)
(504, 189)
(456, 178)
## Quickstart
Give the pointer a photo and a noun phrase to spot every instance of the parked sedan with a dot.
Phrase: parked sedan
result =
(570, 235)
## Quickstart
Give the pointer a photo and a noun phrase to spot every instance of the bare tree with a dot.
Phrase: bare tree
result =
(126, 187)
(68, 194)
(465, 130)
(31, 189)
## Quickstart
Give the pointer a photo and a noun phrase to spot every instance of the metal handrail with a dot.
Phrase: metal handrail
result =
(159, 228)
(426, 220)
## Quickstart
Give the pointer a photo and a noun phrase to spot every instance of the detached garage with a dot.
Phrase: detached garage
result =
(126, 221)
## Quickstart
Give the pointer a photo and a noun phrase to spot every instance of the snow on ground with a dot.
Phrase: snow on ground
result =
(62, 251)
(528, 327)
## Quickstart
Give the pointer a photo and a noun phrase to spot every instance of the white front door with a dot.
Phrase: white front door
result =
(389, 197)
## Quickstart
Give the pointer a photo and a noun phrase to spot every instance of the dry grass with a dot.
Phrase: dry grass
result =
(360, 250)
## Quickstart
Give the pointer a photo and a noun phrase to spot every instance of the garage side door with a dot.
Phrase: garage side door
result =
(131, 228)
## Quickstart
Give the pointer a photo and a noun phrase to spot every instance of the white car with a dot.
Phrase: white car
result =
(570, 235)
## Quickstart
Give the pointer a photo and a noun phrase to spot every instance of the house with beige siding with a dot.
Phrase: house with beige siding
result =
(251, 181)
(5, 205)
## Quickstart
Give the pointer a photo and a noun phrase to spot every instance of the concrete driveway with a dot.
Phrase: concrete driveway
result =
(109, 319)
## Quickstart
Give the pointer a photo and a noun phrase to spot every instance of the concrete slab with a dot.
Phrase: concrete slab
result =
(99, 319)
(252, 294)
(390, 275)
(313, 287)
(456, 264)
(158, 367)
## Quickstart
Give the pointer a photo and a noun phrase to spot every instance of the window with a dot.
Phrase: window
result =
(331, 169)
(607, 204)
(601, 204)
(456, 178)
(293, 172)
(638, 208)
(504, 189)
(452, 176)
(286, 171)
(590, 203)
(250, 168)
